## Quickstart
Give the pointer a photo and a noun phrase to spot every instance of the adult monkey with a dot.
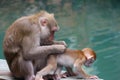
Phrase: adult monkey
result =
(28, 42)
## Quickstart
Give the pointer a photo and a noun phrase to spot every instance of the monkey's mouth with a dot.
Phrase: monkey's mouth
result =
(51, 35)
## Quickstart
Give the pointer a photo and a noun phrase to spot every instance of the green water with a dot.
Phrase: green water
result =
(84, 23)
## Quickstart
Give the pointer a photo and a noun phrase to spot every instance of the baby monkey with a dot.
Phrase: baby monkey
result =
(70, 59)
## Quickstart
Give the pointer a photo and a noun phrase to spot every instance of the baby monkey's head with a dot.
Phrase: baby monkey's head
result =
(90, 56)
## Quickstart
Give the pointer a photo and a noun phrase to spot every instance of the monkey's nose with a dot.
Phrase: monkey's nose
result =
(55, 28)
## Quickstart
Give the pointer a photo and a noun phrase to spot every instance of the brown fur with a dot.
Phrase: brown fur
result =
(25, 42)
(71, 58)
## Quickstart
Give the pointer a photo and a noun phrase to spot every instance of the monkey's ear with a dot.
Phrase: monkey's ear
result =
(43, 21)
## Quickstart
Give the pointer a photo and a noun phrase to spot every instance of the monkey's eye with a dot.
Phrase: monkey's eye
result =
(91, 60)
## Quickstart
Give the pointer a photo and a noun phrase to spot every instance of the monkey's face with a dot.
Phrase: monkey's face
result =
(90, 56)
(52, 25)
(48, 26)
(89, 62)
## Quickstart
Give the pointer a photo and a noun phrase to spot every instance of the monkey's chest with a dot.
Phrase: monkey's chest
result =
(65, 60)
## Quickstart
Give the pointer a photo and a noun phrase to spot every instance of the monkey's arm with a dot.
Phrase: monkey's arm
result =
(53, 42)
(78, 68)
(33, 50)
(70, 71)
(84, 75)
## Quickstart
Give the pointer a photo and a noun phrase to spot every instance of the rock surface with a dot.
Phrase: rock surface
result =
(4, 68)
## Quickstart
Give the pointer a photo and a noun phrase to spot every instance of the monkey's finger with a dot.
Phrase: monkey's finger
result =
(64, 43)
(64, 75)
(94, 77)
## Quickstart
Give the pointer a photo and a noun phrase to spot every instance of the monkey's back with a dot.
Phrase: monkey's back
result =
(69, 57)
(13, 40)
(74, 53)
(13, 37)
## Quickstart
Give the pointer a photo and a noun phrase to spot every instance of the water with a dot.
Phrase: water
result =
(84, 23)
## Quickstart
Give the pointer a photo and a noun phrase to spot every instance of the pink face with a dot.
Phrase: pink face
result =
(50, 25)
(53, 27)
(53, 30)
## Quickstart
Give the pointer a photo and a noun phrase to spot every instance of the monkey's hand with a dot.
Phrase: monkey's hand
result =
(61, 43)
(59, 48)
(94, 77)
(38, 77)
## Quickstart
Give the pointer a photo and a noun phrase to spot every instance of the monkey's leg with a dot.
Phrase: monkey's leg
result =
(22, 68)
(70, 72)
(58, 69)
(58, 72)
(43, 72)
(79, 71)
(51, 65)
(66, 74)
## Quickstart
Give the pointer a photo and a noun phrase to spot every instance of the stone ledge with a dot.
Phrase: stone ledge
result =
(4, 68)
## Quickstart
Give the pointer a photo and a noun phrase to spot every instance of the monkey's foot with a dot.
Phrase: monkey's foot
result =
(51, 77)
(66, 74)
(94, 77)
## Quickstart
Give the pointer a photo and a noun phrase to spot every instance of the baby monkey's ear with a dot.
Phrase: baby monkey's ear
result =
(43, 21)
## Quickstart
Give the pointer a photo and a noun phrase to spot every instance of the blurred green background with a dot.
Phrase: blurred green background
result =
(84, 23)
